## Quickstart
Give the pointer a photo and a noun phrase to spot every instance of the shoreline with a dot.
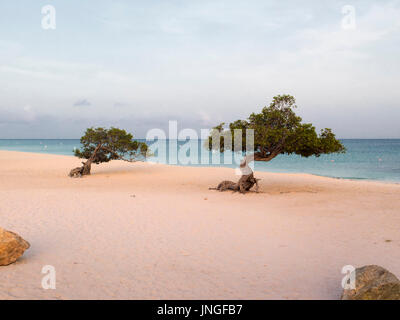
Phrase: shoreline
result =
(216, 166)
(142, 231)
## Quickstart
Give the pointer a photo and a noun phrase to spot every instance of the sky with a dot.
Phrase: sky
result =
(138, 64)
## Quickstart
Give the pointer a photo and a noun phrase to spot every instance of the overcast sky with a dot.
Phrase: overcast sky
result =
(138, 64)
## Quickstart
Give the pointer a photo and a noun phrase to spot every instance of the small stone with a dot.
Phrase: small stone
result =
(12, 246)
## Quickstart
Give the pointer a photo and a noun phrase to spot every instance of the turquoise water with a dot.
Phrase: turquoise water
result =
(365, 159)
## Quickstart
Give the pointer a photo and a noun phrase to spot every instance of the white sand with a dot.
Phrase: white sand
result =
(178, 240)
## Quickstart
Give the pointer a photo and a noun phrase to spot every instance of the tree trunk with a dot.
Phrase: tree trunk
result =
(246, 181)
(81, 171)
(87, 166)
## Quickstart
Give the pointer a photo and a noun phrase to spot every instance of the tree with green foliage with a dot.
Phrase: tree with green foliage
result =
(277, 130)
(103, 145)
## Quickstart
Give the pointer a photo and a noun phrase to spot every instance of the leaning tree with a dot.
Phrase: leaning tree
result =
(277, 130)
(103, 145)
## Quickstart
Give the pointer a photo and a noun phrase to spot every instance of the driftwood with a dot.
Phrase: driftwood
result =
(246, 181)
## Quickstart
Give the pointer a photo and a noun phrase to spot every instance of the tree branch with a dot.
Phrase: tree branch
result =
(120, 157)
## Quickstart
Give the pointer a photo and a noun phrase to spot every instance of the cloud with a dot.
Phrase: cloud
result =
(202, 63)
(120, 104)
(25, 115)
(205, 118)
(28, 114)
(82, 103)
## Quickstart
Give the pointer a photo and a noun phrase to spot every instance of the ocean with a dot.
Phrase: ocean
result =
(365, 159)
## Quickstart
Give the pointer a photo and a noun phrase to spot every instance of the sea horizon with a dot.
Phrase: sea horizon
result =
(366, 159)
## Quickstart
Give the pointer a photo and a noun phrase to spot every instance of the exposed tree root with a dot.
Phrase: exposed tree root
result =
(245, 183)
(78, 172)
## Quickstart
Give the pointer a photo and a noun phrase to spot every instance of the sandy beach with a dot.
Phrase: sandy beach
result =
(146, 231)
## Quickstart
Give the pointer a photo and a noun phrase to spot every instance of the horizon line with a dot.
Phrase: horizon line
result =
(182, 140)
